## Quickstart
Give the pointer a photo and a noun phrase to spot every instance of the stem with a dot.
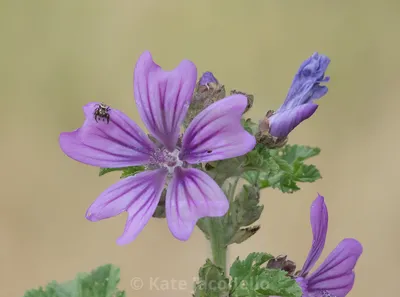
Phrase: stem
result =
(216, 229)
(218, 246)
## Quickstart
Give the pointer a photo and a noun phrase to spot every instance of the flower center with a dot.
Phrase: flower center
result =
(162, 158)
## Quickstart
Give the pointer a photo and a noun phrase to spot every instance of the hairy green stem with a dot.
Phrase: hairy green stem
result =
(218, 246)
(216, 229)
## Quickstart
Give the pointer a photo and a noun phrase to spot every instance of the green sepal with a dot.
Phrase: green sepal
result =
(104, 171)
(126, 171)
(129, 171)
(203, 96)
(243, 234)
(250, 99)
(160, 209)
(101, 282)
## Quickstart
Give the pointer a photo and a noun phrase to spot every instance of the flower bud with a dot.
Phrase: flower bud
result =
(282, 263)
(208, 79)
(264, 137)
(299, 103)
(208, 90)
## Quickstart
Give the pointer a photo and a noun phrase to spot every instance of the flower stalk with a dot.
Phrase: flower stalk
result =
(217, 230)
(219, 248)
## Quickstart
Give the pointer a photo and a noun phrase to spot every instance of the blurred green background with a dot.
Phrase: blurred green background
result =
(58, 55)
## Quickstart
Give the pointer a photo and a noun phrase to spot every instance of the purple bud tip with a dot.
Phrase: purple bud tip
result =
(207, 78)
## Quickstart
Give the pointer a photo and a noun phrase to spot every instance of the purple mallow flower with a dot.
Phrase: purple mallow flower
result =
(298, 105)
(162, 98)
(335, 276)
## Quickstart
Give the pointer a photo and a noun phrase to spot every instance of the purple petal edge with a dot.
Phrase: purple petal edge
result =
(216, 133)
(319, 225)
(283, 122)
(119, 143)
(138, 195)
(336, 274)
(163, 97)
(192, 195)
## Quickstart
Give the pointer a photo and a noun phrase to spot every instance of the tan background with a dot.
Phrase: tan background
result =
(58, 55)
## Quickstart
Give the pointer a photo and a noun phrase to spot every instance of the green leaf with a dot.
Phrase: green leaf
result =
(41, 292)
(212, 281)
(275, 282)
(260, 160)
(307, 173)
(244, 210)
(249, 126)
(224, 169)
(202, 225)
(246, 271)
(241, 268)
(101, 282)
(284, 167)
(298, 153)
(126, 171)
(250, 278)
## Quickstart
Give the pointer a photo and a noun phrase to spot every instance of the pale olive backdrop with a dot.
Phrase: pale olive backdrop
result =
(55, 56)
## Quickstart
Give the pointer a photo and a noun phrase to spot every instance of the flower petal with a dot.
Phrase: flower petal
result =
(120, 143)
(306, 84)
(138, 195)
(217, 133)
(319, 225)
(192, 195)
(336, 275)
(283, 122)
(163, 97)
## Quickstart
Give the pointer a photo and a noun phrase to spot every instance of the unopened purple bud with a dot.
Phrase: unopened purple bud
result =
(207, 78)
(263, 135)
(299, 103)
(208, 90)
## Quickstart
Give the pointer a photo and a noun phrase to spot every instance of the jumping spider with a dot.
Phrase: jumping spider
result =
(102, 112)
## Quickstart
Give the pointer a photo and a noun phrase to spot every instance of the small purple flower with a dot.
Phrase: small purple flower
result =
(207, 78)
(299, 105)
(335, 276)
(162, 98)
